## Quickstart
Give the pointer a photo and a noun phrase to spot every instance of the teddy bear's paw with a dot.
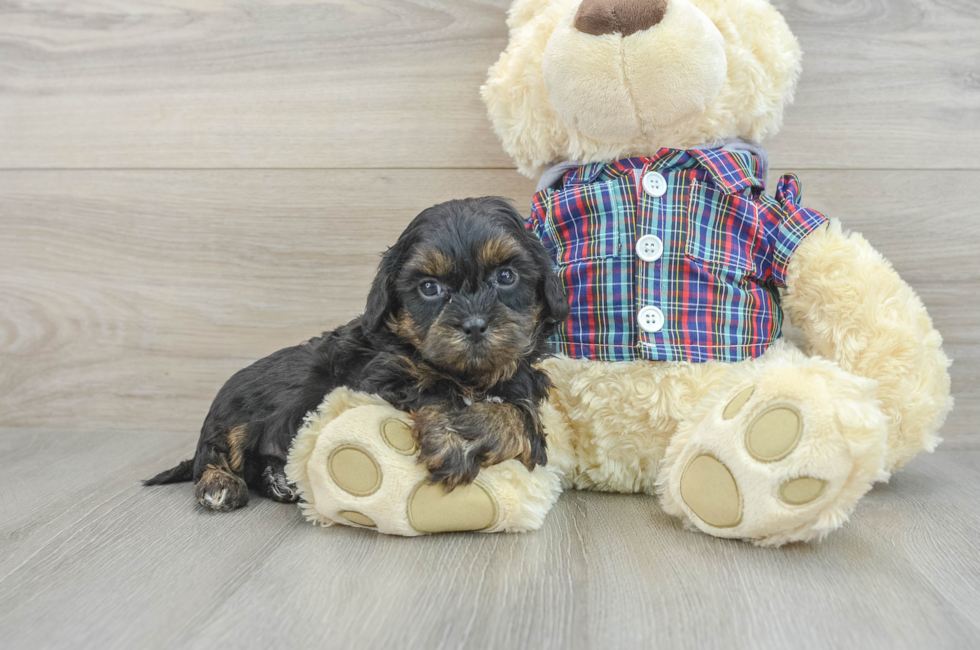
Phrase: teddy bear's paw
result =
(358, 466)
(772, 463)
(708, 487)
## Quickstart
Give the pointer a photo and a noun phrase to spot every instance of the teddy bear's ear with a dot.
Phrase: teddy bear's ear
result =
(517, 101)
(522, 12)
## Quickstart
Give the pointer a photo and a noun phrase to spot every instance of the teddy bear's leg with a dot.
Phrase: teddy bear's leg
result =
(853, 308)
(354, 462)
(783, 455)
(609, 423)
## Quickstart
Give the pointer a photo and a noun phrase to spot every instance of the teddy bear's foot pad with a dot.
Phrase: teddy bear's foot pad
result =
(801, 491)
(358, 518)
(737, 403)
(709, 490)
(354, 470)
(433, 510)
(398, 436)
(774, 434)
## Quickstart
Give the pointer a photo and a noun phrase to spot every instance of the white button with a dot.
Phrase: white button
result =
(650, 319)
(654, 184)
(649, 248)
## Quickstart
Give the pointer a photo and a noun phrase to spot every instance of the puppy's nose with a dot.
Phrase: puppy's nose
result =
(475, 328)
(598, 17)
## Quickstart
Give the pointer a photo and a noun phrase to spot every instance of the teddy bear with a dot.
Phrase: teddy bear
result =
(643, 120)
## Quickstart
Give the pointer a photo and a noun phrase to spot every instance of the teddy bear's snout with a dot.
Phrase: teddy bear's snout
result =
(598, 17)
(625, 70)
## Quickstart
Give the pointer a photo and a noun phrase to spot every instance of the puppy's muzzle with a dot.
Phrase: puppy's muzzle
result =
(471, 314)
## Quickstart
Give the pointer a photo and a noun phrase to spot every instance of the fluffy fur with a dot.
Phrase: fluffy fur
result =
(854, 309)
(669, 69)
(460, 310)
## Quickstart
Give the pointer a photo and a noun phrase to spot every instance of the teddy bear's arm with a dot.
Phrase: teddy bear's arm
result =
(854, 308)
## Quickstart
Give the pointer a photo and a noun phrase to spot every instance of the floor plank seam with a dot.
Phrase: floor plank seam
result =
(350, 168)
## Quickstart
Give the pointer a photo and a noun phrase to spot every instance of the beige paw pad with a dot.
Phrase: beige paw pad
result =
(399, 437)
(358, 518)
(432, 510)
(802, 490)
(774, 434)
(737, 403)
(710, 491)
(354, 470)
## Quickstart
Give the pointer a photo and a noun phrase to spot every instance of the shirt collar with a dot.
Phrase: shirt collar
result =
(733, 168)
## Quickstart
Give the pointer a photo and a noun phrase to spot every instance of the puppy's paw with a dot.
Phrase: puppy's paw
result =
(455, 445)
(221, 490)
(451, 465)
(277, 487)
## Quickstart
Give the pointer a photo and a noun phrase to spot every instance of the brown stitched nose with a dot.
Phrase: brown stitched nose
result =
(598, 17)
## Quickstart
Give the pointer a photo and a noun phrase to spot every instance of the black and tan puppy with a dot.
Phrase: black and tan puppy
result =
(459, 312)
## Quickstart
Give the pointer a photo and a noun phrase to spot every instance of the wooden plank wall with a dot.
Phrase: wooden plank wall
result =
(188, 185)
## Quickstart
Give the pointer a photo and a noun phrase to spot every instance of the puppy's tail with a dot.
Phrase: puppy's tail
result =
(179, 474)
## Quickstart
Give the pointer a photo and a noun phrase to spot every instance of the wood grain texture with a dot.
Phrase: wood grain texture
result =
(386, 83)
(129, 297)
(94, 560)
(219, 179)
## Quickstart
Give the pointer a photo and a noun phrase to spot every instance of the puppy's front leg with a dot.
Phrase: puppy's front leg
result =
(455, 443)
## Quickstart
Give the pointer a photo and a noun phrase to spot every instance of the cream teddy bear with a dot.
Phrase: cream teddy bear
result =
(643, 119)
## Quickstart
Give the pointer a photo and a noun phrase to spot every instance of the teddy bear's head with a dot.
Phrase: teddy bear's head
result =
(596, 80)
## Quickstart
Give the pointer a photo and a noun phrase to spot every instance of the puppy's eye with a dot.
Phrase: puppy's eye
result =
(505, 277)
(430, 289)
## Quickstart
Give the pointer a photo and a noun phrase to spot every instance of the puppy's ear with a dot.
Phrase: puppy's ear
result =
(555, 301)
(551, 291)
(382, 299)
(555, 298)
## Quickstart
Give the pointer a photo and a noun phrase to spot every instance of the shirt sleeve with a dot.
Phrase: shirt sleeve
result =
(785, 225)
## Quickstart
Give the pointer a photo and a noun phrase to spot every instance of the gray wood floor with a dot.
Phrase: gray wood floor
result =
(92, 559)
(187, 186)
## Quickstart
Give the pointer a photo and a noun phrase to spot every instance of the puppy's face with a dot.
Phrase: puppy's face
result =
(470, 288)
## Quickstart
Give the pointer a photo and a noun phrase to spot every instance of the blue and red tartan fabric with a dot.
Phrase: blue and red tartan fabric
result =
(713, 288)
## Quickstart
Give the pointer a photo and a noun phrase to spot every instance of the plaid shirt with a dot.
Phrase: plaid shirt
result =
(711, 294)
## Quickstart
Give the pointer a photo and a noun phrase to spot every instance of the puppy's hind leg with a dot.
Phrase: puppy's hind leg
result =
(274, 484)
(221, 490)
(221, 486)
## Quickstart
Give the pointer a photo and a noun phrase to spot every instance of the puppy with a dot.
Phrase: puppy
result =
(460, 311)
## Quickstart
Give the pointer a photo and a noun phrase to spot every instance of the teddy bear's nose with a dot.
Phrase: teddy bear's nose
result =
(625, 17)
